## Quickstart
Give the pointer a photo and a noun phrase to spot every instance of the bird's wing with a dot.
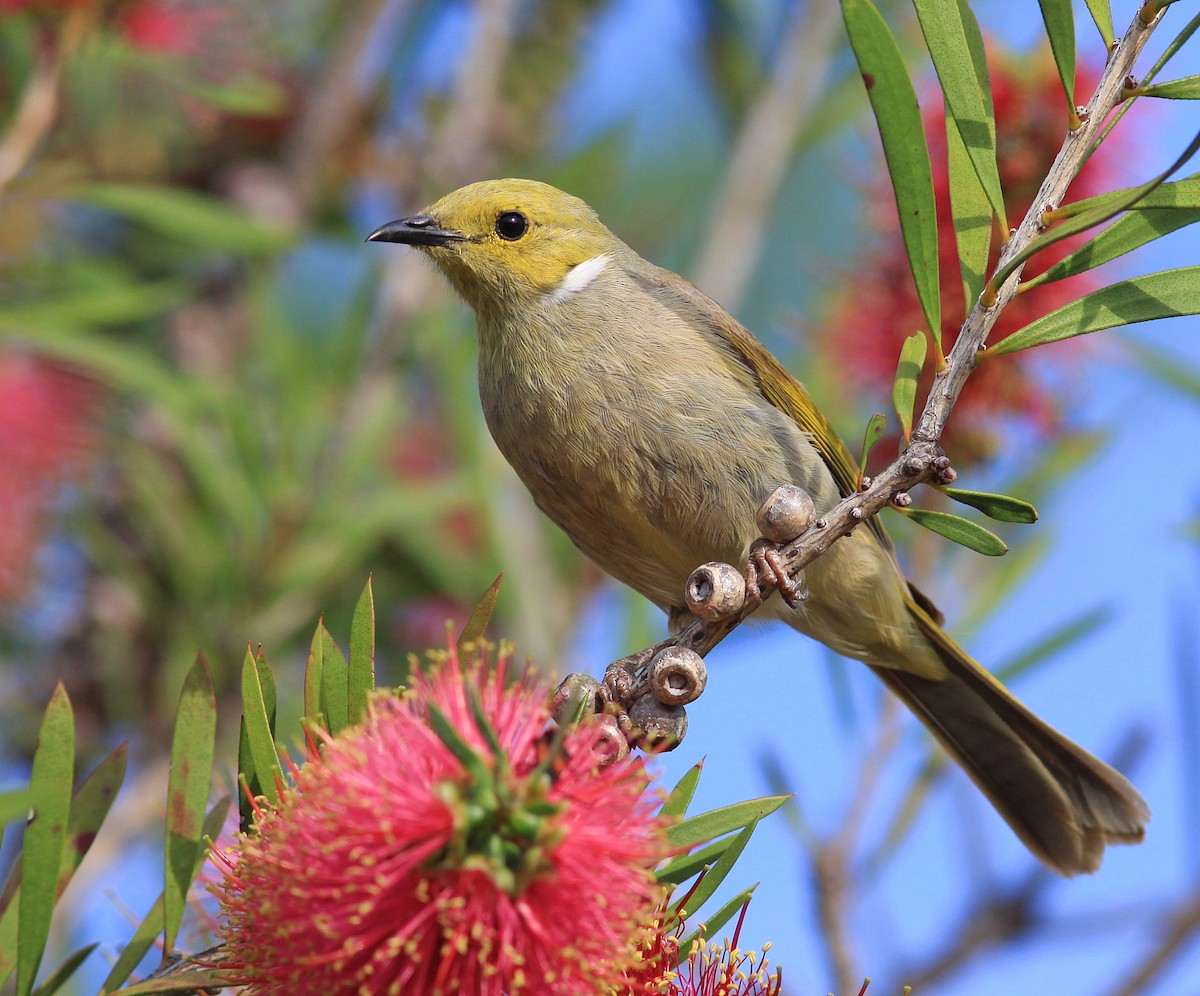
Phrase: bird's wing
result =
(787, 394)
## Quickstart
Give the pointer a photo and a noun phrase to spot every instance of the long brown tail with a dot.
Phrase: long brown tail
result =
(1065, 804)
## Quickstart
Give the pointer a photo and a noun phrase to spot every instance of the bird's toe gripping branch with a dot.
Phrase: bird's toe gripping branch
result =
(642, 697)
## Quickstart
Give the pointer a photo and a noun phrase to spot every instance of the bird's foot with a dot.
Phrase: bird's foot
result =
(765, 570)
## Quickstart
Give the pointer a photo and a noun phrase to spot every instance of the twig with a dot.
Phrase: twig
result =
(762, 152)
(33, 119)
(923, 460)
(1181, 928)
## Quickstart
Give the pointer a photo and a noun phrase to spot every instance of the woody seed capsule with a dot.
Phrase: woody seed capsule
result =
(662, 726)
(715, 591)
(787, 513)
(677, 676)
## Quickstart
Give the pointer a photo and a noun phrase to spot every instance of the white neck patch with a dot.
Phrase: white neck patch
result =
(578, 277)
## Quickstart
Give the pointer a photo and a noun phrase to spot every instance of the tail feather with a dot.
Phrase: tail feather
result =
(1064, 804)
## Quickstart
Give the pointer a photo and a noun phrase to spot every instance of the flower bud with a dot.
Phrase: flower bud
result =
(787, 513)
(677, 676)
(662, 726)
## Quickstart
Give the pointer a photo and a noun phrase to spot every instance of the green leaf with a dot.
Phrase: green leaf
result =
(1155, 193)
(1102, 14)
(1166, 294)
(676, 804)
(876, 427)
(46, 835)
(1132, 231)
(1172, 369)
(706, 888)
(715, 922)
(718, 822)
(958, 529)
(1084, 215)
(894, 102)
(334, 679)
(972, 216)
(89, 807)
(946, 30)
(999, 507)
(1057, 640)
(908, 372)
(15, 805)
(266, 775)
(191, 981)
(681, 868)
(193, 749)
(253, 96)
(152, 924)
(111, 304)
(1059, 19)
(189, 217)
(1186, 88)
(314, 679)
(481, 615)
(361, 673)
(61, 975)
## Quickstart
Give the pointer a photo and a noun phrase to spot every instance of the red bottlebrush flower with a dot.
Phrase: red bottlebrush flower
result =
(160, 27)
(709, 970)
(430, 850)
(46, 415)
(865, 330)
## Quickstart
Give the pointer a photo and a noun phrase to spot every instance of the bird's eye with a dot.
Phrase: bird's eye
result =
(511, 225)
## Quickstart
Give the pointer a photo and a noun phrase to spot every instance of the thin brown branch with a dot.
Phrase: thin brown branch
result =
(1180, 930)
(33, 119)
(923, 460)
(332, 103)
(763, 150)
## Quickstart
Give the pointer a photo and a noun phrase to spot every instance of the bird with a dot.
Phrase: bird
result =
(650, 425)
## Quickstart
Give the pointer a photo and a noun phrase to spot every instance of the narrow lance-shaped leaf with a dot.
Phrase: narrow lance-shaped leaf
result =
(1059, 19)
(151, 926)
(707, 886)
(894, 102)
(1185, 88)
(46, 834)
(908, 372)
(14, 805)
(1061, 637)
(1167, 294)
(481, 615)
(192, 751)
(62, 975)
(1000, 507)
(334, 678)
(187, 216)
(959, 530)
(971, 213)
(717, 822)
(89, 807)
(876, 427)
(267, 773)
(314, 677)
(361, 673)
(944, 27)
(1106, 206)
(1129, 232)
(1101, 13)
(680, 798)
(681, 868)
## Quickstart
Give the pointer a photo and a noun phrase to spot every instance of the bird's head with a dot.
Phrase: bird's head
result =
(507, 243)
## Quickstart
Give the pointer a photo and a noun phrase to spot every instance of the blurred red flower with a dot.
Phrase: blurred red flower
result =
(880, 307)
(408, 857)
(46, 414)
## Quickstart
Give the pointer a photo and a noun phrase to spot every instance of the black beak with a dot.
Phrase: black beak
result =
(419, 230)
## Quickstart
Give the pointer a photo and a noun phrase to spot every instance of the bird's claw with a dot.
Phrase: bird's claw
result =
(765, 570)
